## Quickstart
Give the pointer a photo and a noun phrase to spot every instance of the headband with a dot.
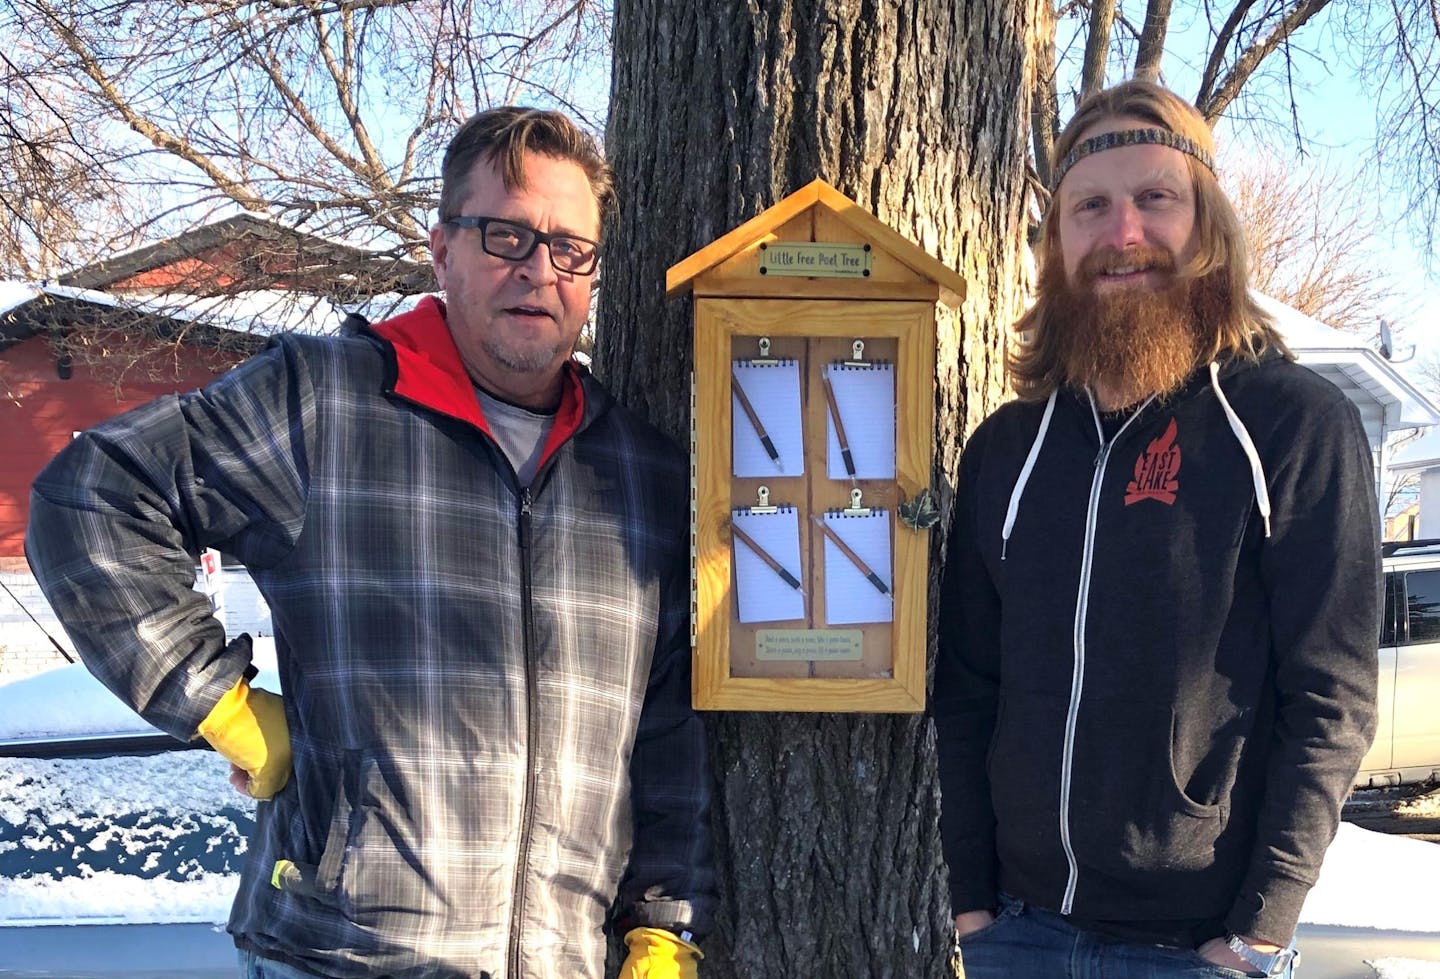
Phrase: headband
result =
(1130, 137)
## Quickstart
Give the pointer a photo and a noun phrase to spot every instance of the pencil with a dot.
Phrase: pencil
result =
(839, 542)
(749, 410)
(839, 425)
(773, 564)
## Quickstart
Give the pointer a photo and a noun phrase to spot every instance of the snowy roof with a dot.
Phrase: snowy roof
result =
(1423, 453)
(302, 253)
(15, 294)
(1387, 399)
(262, 312)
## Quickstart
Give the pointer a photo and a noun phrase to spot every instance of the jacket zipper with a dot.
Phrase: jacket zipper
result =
(527, 627)
(527, 803)
(1077, 677)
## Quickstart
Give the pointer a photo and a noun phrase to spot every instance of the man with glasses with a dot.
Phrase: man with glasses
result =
(477, 566)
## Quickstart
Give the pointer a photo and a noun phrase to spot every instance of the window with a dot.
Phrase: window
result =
(1387, 612)
(1422, 595)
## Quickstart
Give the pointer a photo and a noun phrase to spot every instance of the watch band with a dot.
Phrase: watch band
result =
(1269, 963)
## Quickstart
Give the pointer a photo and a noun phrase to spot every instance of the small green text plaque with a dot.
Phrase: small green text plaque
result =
(815, 259)
(808, 645)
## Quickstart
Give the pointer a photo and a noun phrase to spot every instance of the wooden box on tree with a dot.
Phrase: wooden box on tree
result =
(812, 443)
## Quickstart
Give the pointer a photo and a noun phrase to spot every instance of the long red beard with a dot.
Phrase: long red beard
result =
(1134, 341)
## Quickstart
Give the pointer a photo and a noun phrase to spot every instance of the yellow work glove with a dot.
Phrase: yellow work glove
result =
(247, 727)
(658, 954)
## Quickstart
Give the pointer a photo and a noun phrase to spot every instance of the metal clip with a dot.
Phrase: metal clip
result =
(763, 506)
(856, 507)
(764, 360)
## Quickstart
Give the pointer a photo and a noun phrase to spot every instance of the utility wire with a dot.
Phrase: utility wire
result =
(58, 648)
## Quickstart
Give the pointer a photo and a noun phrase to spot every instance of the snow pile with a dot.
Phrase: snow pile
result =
(148, 839)
(70, 702)
(1371, 880)
(1406, 969)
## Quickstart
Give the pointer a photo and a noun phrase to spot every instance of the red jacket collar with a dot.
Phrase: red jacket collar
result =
(430, 373)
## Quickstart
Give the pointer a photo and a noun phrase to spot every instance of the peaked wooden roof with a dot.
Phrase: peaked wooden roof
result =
(816, 194)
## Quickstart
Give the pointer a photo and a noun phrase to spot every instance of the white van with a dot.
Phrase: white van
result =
(1407, 740)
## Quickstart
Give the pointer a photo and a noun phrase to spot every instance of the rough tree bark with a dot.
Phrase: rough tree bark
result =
(826, 826)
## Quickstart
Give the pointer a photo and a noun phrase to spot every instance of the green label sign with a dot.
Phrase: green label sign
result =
(808, 645)
(815, 259)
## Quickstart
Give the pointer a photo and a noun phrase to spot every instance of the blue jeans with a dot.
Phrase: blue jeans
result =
(253, 966)
(1029, 943)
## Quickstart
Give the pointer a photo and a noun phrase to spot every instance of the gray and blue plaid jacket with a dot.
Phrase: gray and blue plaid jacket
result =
(487, 687)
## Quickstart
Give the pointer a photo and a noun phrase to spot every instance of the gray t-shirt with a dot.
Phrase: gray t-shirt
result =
(520, 432)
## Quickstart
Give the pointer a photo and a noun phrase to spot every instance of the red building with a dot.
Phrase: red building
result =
(164, 318)
(49, 395)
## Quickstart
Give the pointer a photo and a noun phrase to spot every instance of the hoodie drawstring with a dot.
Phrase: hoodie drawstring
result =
(1257, 472)
(1015, 494)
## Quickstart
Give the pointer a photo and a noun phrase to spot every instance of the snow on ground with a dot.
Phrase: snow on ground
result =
(70, 702)
(1373, 880)
(1406, 969)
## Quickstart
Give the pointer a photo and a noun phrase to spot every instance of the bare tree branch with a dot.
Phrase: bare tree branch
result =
(1239, 73)
(1224, 37)
(331, 113)
(1313, 246)
(1152, 40)
(1097, 47)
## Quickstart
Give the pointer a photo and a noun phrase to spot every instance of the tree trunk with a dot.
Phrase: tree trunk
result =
(827, 840)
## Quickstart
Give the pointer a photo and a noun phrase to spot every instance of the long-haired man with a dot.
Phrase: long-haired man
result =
(1157, 663)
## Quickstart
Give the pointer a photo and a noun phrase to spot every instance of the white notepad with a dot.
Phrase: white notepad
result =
(865, 397)
(774, 393)
(850, 597)
(764, 596)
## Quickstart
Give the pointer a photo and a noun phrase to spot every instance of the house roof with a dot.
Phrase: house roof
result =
(816, 195)
(58, 308)
(276, 254)
(1419, 455)
(27, 309)
(1387, 399)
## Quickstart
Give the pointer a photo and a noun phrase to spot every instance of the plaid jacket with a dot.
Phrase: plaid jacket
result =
(487, 687)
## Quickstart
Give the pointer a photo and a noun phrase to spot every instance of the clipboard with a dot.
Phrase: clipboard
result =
(858, 568)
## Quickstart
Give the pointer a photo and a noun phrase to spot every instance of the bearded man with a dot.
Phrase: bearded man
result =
(1157, 661)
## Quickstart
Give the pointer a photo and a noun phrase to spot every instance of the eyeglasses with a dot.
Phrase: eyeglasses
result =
(517, 242)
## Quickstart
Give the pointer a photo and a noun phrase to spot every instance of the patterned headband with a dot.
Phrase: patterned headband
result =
(1130, 137)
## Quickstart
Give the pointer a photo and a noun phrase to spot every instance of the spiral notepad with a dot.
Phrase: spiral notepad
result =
(764, 596)
(850, 595)
(773, 392)
(865, 400)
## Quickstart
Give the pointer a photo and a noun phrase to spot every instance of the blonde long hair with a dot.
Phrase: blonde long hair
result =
(1247, 331)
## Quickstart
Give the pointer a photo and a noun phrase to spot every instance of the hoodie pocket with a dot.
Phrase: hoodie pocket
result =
(1127, 811)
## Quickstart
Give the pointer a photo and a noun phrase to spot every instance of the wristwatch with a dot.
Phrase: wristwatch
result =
(1269, 963)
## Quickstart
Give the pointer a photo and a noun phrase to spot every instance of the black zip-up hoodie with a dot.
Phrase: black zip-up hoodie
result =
(1152, 698)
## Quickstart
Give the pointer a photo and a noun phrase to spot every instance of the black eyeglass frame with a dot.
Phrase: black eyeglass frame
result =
(539, 238)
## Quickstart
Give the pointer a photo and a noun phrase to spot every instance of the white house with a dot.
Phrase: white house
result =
(1423, 457)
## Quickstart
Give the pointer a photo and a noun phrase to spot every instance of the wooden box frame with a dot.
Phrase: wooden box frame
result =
(735, 305)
